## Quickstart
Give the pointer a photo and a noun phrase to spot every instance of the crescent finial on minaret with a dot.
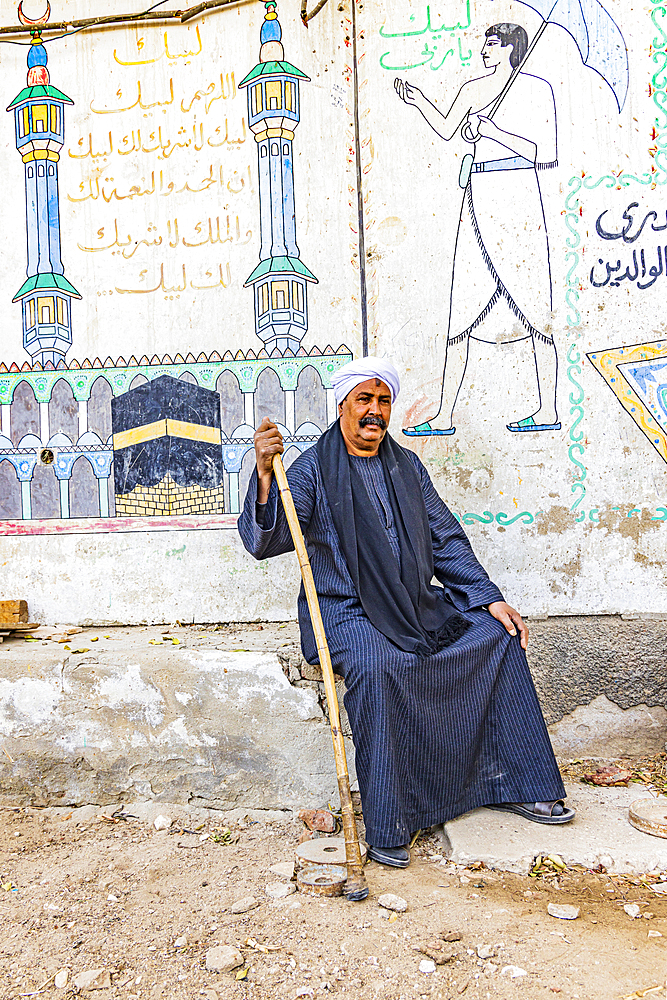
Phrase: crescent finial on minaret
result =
(38, 74)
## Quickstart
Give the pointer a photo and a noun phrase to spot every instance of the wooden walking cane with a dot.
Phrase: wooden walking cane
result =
(355, 886)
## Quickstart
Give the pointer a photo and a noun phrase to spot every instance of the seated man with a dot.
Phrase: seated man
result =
(442, 706)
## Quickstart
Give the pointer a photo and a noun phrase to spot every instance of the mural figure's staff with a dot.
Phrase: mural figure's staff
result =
(443, 710)
(502, 251)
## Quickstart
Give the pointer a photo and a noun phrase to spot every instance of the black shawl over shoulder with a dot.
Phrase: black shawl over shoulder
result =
(400, 602)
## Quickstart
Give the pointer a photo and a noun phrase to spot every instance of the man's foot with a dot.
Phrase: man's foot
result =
(553, 813)
(396, 857)
(533, 424)
(425, 430)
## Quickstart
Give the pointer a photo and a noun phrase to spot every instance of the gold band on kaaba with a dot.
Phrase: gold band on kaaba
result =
(164, 428)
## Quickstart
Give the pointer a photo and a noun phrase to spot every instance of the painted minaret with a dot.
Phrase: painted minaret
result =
(39, 118)
(280, 279)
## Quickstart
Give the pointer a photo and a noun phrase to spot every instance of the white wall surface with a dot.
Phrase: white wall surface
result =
(567, 521)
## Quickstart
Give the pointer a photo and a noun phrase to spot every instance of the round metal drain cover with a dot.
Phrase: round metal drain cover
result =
(325, 851)
(649, 816)
(322, 880)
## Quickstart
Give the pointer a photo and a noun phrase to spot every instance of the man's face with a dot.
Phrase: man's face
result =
(364, 416)
(495, 54)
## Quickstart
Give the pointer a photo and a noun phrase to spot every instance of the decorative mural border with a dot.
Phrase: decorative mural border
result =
(78, 526)
(526, 517)
(206, 370)
(102, 525)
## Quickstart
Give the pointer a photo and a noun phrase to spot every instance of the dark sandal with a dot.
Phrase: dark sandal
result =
(395, 857)
(538, 812)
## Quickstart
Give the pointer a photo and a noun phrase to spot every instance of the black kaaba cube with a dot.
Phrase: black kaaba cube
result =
(167, 449)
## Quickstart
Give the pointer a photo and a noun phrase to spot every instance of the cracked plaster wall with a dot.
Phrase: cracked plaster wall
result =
(246, 729)
(602, 683)
(213, 729)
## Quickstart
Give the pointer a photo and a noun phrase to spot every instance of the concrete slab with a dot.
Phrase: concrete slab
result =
(209, 721)
(600, 834)
(205, 716)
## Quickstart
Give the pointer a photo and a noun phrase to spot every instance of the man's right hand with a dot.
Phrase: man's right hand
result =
(268, 442)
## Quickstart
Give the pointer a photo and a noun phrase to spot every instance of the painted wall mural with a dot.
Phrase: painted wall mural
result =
(231, 207)
(502, 218)
(502, 223)
(161, 437)
(517, 427)
(39, 122)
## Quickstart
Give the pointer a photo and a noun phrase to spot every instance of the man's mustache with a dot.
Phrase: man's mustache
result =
(365, 421)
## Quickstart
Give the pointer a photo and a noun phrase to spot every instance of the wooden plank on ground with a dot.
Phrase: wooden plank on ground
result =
(13, 612)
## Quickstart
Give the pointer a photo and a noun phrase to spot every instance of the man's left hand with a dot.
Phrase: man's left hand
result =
(511, 619)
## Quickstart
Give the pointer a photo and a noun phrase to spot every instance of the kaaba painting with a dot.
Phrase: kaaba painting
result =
(167, 454)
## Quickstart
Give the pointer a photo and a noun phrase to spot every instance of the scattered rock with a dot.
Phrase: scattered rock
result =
(427, 966)
(306, 835)
(659, 887)
(632, 910)
(279, 890)
(452, 936)
(93, 979)
(609, 776)
(485, 951)
(391, 902)
(606, 861)
(244, 905)
(435, 950)
(318, 819)
(654, 934)
(162, 822)
(490, 968)
(563, 911)
(513, 971)
(61, 977)
(305, 991)
(284, 868)
(464, 879)
(223, 958)
(181, 942)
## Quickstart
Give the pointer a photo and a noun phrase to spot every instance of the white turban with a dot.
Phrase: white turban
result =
(355, 372)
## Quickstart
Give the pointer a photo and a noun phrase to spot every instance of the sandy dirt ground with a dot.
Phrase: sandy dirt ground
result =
(90, 893)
